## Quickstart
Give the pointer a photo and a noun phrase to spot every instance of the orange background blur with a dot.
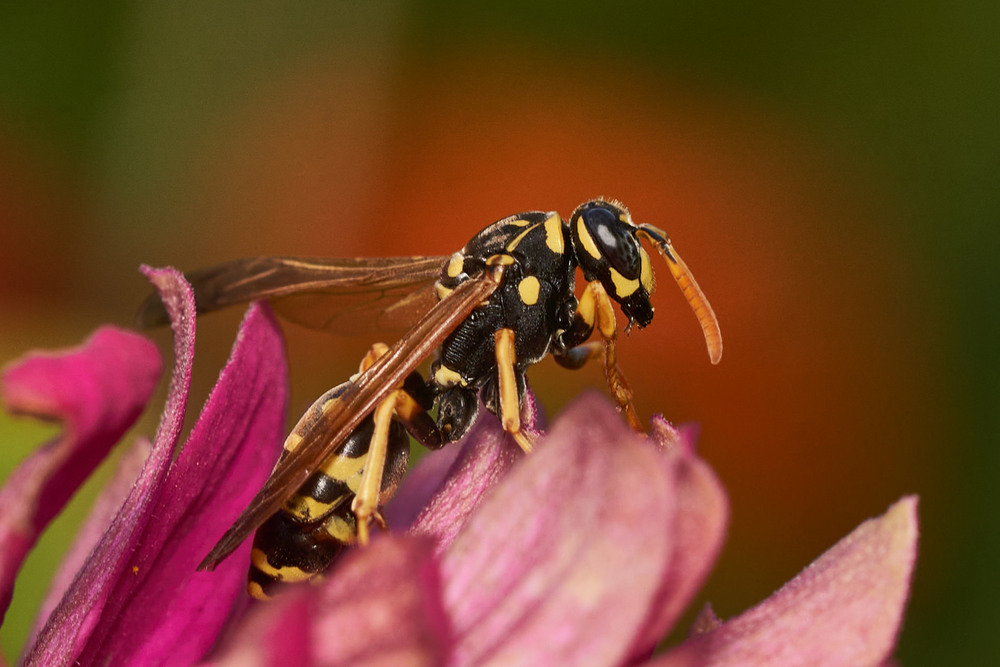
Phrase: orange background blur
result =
(829, 176)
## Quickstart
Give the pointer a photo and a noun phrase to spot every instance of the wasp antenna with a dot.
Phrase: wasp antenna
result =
(692, 292)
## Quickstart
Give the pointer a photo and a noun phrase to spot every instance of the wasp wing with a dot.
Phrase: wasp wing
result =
(359, 399)
(347, 295)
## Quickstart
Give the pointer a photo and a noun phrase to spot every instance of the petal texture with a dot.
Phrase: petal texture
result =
(382, 607)
(109, 501)
(488, 453)
(97, 391)
(228, 456)
(561, 564)
(72, 623)
(844, 609)
(138, 599)
(698, 528)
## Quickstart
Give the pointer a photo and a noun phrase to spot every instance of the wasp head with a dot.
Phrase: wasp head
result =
(608, 250)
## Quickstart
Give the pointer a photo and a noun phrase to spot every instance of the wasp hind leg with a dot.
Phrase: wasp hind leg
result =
(509, 399)
(407, 405)
(595, 311)
(366, 501)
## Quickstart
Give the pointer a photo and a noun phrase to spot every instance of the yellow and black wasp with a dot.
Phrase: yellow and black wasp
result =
(486, 314)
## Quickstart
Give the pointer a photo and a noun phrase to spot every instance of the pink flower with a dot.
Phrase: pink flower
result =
(586, 552)
(128, 592)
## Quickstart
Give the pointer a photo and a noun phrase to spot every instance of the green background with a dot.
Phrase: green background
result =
(828, 171)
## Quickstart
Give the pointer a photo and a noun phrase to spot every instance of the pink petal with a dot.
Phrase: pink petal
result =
(561, 564)
(436, 498)
(699, 530)
(69, 628)
(486, 456)
(138, 599)
(382, 607)
(227, 457)
(97, 391)
(846, 608)
(111, 498)
(419, 486)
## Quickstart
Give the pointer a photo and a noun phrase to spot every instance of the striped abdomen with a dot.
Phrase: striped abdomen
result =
(302, 540)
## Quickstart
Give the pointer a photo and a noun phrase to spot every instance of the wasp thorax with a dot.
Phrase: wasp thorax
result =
(609, 251)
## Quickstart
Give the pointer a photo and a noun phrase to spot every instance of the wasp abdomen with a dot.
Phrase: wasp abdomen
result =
(286, 551)
(316, 524)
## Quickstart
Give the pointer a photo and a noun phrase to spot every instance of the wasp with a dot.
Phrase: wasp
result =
(485, 314)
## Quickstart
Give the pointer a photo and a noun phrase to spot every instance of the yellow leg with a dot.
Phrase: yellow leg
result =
(365, 504)
(618, 385)
(595, 306)
(374, 353)
(510, 406)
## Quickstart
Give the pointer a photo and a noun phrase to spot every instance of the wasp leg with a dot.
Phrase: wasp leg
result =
(365, 503)
(409, 404)
(413, 400)
(375, 352)
(595, 311)
(510, 404)
(576, 357)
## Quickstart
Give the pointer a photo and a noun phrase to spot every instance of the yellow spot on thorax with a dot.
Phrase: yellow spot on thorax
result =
(529, 288)
(499, 260)
(517, 239)
(455, 265)
(554, 234)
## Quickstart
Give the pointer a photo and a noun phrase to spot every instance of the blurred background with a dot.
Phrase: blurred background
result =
(829, 174)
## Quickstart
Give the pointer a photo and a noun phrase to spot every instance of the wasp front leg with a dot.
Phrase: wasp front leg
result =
(595, 312)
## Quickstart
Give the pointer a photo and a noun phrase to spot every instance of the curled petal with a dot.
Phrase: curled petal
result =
(138, 597)
(228, 456)
(383, 607)
(71, 624)
(97, 391)
(561, 564)
(844, 609)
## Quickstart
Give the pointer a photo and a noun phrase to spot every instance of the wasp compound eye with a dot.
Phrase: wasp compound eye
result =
(613, 239)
